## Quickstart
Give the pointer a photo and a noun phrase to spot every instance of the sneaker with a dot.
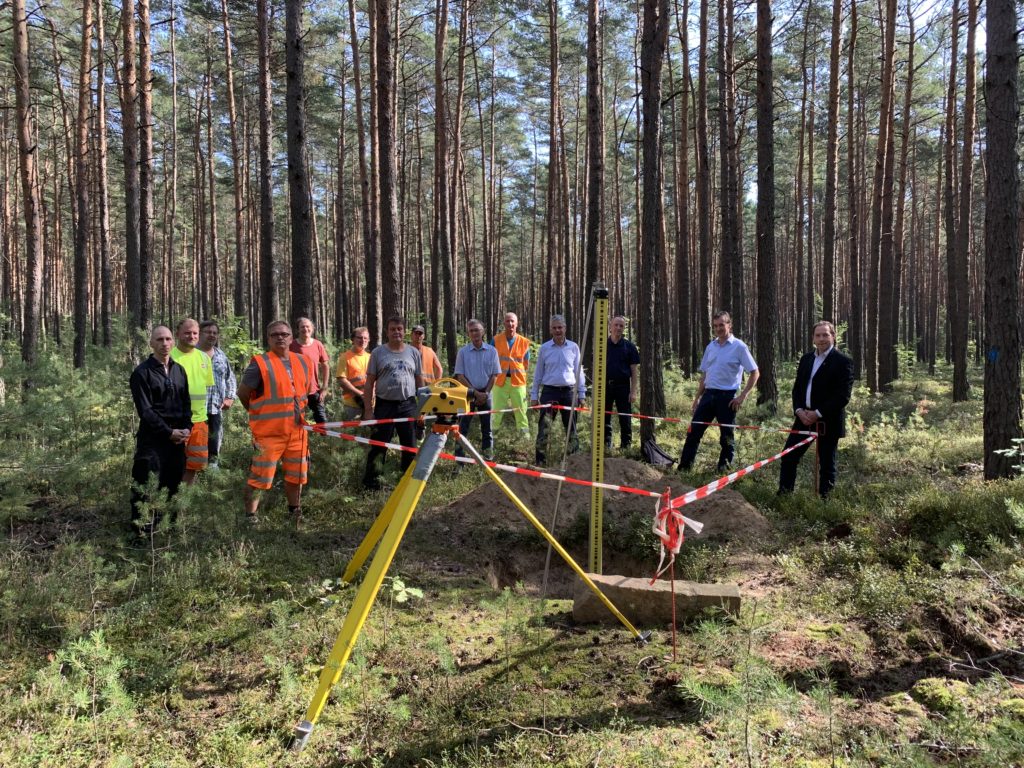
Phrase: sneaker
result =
(213, 466)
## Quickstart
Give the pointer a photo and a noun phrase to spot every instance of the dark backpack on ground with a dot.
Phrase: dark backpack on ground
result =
(653, 454)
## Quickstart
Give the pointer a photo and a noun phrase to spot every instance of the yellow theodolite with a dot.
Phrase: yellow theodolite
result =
(446, 400)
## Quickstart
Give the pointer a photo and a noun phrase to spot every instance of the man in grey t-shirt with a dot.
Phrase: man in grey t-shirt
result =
(393, 375)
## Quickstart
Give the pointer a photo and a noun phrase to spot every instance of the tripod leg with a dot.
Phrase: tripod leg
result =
(376, 531)
(547, 535)
(407, 496)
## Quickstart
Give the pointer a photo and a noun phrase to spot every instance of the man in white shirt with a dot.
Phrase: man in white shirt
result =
(557, 377)
(721, 373)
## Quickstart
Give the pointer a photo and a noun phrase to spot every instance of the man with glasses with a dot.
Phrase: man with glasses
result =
(274, 390)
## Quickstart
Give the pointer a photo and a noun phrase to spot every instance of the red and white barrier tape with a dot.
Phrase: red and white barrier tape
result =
(674, 420)
(716, 485)
(694, 524)
(404, 419)
(669, 527)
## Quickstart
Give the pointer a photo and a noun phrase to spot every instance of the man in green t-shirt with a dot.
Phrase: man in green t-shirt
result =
(199, 369)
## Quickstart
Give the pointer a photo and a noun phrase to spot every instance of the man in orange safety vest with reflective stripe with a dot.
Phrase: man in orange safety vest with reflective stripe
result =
(274, 390)
(510, 387)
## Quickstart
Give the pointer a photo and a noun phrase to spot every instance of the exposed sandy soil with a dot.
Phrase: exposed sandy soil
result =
(517, 553)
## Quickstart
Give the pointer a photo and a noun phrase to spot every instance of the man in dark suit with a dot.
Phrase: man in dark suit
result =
(824, 383)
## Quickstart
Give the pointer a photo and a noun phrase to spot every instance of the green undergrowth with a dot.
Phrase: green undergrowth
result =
(881, 628)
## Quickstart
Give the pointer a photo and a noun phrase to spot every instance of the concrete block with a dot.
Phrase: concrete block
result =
(650, 605)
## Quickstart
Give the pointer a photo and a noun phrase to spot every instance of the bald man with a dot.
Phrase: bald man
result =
(160, 393)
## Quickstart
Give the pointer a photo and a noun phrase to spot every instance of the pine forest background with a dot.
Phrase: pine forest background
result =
(787, 161)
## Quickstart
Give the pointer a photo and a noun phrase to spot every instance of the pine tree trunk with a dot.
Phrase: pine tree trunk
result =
(767, 326)
(652, 57)
(684, 280)
(130, 136)
(106, 275)
(960, 311)
(27, 153)
(855, 332)
(268, 282)
(595, 147)
(1002, 419)
(298, 199)
(238, 293)
(83, 220)
(146, 178)
(829, 249)
(703, 313)
(391, 279)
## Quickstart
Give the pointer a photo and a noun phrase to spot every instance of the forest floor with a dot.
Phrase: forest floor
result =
(883, 627)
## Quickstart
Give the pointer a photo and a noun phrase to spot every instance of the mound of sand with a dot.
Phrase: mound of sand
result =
(483, 524)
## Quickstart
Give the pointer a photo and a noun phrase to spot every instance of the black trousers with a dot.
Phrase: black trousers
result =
(828, 454)
(616, 398)
(713, 406)
(316, 405)
(561, 396)
(215, 421)
(159, 456)
(391, 409)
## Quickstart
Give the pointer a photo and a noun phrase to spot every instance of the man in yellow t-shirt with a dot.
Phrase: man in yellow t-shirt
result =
(199, 370)
(351, 374)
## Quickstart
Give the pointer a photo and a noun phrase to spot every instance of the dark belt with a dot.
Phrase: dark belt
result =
(568, 388)
(385, 400)
(722, 391)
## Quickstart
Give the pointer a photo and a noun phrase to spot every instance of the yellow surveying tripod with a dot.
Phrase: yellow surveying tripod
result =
(446, 400)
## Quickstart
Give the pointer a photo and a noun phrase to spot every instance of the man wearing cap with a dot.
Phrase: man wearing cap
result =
(510, 387)
(351, 374)
(432, 370)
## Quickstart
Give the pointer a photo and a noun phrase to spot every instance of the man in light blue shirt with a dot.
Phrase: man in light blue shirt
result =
(721, 373)
(477, 367)
(557, 377)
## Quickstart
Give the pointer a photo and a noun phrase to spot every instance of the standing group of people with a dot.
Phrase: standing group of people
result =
(821, 391)
(183, 388)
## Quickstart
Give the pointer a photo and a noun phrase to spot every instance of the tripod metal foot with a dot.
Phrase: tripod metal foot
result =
(302, 733)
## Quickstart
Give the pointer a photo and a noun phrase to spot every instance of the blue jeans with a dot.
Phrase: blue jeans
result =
(713, 406)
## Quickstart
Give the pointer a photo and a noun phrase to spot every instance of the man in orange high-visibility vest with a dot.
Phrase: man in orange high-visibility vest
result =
(274, 389)
(510, 387)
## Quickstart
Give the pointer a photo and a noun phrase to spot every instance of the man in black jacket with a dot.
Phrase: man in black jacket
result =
(160, 392)
(824, 383)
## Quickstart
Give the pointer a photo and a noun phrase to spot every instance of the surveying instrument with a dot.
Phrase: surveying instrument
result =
(445, 401)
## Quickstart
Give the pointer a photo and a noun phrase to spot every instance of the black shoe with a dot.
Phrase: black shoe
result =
(372, 484)
(685, 467)
(724, 467)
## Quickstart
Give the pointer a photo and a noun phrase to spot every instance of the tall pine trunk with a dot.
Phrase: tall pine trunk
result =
(298, 198)
(767, 326)
(1002, 252)
(652, 57)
